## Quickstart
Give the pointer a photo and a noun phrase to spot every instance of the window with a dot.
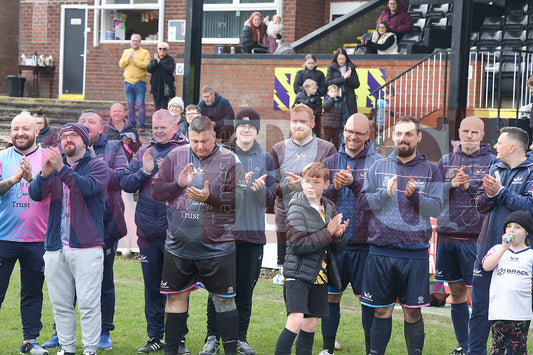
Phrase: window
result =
(224, 19)
(119, 19)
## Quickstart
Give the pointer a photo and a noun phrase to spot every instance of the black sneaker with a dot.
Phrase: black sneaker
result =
(243, 348)
(212, 346)
(151, 346)
(182, 349)
(458, 351)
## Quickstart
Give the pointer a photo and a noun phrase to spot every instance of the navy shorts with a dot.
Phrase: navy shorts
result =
(455, 260)
(351, 267)
(306, 298)
(388, 278)
(217, 275)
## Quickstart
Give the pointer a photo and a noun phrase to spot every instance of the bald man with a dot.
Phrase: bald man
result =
(347, 170)
(23, 226)
(460, 222)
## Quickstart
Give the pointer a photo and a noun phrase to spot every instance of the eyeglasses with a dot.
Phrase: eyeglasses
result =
(162, 49)
(174, 106)
(71, 136)
(347, 132)
(246, 126)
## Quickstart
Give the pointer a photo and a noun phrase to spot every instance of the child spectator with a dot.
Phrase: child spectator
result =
(334, 115)
(274, 30)
(382, 109)
(314, 237)
(312, 99)
(510, 288)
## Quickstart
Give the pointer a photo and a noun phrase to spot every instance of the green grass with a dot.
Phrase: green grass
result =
(268, 319)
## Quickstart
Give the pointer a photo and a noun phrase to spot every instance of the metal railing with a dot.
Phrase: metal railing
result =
(497, 82)
(419, 91)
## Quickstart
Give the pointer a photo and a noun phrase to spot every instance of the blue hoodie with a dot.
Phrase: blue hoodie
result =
(515, 195)
(460, 217)
(346, 198)
(250, 215)
(401, 223)
(150, 215)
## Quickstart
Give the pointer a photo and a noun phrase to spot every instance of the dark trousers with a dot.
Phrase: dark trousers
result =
(108, 286)
(154, 301)
(479, 320)
(249, 259)
(30, 257)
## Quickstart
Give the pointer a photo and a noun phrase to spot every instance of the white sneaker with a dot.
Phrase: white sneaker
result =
(324, 352)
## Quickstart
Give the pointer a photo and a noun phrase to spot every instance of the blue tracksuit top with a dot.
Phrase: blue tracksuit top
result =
(401, 223)
(346, 198)
(515, 195)
(460, 217)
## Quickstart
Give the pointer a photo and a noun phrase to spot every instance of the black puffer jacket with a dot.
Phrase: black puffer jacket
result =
(314, 74)
(308, 239)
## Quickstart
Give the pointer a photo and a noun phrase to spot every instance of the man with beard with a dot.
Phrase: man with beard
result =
(347, 170)
(291, 156)
(202, 184)
(460, 222)
(23, 226)
(75, 183)
(403, 191)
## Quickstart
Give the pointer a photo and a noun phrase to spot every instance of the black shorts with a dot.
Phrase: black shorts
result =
(351, 267)
(216, 275)
(455, 260)
(306, 298)
(387, 278)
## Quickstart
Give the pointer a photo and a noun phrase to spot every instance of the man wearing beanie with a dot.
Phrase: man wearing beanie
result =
(74, 238)
(249, 226)
(507, 188)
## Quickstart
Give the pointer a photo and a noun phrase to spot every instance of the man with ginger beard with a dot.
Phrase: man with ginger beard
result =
(23, 226)
(291, 156)
(347, 171)
(403, 191)
(75, 183)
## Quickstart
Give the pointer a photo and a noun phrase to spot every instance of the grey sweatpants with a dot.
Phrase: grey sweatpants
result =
(75, 273)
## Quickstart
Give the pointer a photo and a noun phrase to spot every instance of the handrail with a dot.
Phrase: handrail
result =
(447, 51)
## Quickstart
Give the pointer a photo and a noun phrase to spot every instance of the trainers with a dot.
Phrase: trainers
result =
(458, 351)
(243, 348)
(324, 352)
(278, 280)
(32, 347)
(337, 345)
(182, 349)
(52, 343)
(89, 353)
(212, 346)
(63, 352)
(105, 342)
(152, 345)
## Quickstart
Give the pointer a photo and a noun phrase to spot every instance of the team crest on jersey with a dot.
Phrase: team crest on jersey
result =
(517, 180)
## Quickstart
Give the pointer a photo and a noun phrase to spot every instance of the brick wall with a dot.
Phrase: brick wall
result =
(9, 27)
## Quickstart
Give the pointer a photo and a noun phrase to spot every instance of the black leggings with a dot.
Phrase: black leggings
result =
(510, 332)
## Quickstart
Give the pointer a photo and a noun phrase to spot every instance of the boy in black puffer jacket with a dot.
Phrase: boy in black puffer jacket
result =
(314, 237)
(335, 115)
(310, 97)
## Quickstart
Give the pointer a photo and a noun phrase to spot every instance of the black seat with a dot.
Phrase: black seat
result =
(515, 22)
(419, 24)
(518, 8)
(492, 23)
(439, 10)
(489, 39)
(474, 38)
(411, 37)
(418, 11)
(514, 39)
(529, 39)
(438, 23)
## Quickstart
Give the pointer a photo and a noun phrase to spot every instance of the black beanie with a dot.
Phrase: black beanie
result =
(248, 116)
(523, 218)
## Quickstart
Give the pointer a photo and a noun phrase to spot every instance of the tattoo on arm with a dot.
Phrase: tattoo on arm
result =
(223, 304)
(5, 185)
